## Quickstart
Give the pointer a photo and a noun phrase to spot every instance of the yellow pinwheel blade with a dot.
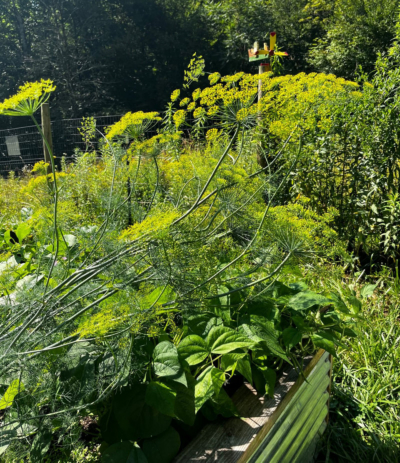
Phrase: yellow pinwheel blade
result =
(272, 41)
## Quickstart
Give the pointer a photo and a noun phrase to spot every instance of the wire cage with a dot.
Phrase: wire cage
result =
(23, 147)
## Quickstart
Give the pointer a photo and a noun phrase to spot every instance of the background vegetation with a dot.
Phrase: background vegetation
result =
(118, 55)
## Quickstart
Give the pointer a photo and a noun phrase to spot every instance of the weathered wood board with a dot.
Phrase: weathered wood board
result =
(281, 429)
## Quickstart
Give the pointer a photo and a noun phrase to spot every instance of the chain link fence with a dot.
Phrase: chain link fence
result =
(23, 147)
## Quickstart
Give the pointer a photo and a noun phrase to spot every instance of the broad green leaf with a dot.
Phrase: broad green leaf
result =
(307, 299)
(218, 380)
(166, 362)
(338, 303)
(123, 452)
(264, 333)
(22, 231)
(71, 240)
(185, 402)
(8, 398)
(193, 349)
(161, 397)
(367, 290)
(162, 448)
(131, 419)
(196, 324)
(222, 340)
(215, 321)
(223, 405)
(204, 388)
(220, 305)
(291, 337)
(270, 380)
(244, 368)
(326, 341)
(40, 447)
(229, 361)
(355, 303)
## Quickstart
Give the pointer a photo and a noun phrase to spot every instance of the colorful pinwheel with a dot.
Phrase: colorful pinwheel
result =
(257, 54)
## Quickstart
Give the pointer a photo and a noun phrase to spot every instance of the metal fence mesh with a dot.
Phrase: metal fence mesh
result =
(24, 146)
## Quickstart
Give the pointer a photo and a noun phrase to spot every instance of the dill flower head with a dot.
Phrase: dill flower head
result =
(184, 102)
(175, 95)
(132, 125)
(29, 98)
(179, 117)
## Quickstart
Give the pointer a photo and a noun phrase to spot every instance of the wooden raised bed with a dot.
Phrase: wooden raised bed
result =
(284, 428)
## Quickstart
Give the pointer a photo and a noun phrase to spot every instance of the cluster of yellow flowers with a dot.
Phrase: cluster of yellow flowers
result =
(130, 123)
(28, 99)
(179, 117)
(175, 94)
(148, 147)
(152, 225)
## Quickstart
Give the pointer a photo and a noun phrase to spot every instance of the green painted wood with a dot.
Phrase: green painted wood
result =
(302, 449)
(303, 432)
(287, 427)
(307, 456)
(259, 58)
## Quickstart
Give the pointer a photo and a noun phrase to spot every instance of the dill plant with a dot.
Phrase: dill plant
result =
(109, 323)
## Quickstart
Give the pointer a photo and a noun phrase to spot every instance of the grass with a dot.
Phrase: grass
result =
(365, 405)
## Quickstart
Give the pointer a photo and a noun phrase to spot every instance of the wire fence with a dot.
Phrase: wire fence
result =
(23, 146)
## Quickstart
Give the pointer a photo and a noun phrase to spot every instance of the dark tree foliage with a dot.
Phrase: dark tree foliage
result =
(110, 56)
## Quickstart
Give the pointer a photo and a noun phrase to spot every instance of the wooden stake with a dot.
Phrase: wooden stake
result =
(46, 127)
(261, 69)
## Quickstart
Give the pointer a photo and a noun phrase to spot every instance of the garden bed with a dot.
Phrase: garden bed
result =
(282, 428)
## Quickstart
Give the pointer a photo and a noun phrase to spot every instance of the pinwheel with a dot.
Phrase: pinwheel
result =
(257, 54)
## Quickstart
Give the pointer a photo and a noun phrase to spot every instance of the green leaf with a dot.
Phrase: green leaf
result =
(270, 380)
(223, 405)
(308, 299)
(229, 361)
(291, 337)
(131, 419)
(166, 362)
(40, 447)
(193, 349)
(264, 333)
(163, 448)
(367, 290)
(338, 303)
(355, 303)
(222, 340)
(71, 240)
(218, 380)
(8, 398)
(123, 452)
(22, 231)
(204, 388)
(161, 397)
(326, 341)
(184, 402)
(220, 305)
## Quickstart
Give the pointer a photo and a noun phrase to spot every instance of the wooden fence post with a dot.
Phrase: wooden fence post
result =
(262, 162)
(46, 127)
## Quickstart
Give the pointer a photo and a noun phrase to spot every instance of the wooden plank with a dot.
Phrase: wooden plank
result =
(229, 441)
